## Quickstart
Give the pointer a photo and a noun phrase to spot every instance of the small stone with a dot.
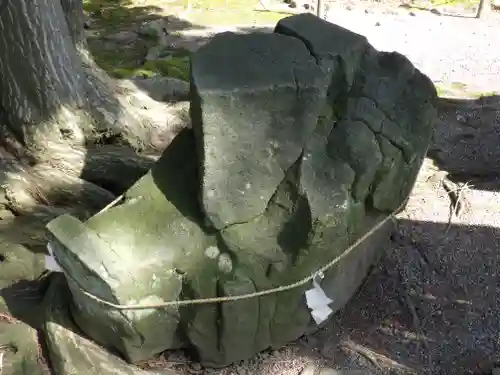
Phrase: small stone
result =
(377, 23)
(212, 252)
(310, 369)
(154, 29)
(412, 14)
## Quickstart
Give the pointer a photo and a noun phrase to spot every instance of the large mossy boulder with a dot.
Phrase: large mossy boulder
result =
(303, 139)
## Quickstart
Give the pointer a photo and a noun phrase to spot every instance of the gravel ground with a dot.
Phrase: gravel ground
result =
(449, 49)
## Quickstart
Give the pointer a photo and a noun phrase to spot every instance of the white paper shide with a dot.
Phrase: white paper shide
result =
(317, 301)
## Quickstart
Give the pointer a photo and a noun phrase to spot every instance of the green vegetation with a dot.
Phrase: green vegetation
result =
(112, 15)
(460, 90)
(121, 61)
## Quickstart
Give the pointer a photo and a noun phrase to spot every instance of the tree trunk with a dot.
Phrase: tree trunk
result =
(59, 112)
(73, 10)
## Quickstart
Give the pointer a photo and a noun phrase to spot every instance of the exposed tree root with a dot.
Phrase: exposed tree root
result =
(48, 191)
(67, 178)
(82, 188)
(99, 154)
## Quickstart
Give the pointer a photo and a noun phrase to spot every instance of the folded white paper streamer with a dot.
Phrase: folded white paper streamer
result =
(318, 301)
(50, 262)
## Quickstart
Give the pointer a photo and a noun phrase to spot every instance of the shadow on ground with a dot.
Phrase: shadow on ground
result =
(431, 306)
(106, 14)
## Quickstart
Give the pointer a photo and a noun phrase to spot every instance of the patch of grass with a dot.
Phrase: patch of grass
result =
(477, 95)
(128, 62)
(230, 12)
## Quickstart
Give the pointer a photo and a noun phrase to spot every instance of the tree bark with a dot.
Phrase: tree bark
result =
(41, 78)
(59, 114)
(73, 10)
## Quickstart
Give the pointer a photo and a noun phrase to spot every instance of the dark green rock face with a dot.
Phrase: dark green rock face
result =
(302, 140)
(255, 106)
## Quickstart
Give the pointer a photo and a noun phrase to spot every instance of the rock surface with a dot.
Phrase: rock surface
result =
(163, 89)
(305, 139)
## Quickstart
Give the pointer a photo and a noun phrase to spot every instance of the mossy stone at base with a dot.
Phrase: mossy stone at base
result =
(70, 352)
